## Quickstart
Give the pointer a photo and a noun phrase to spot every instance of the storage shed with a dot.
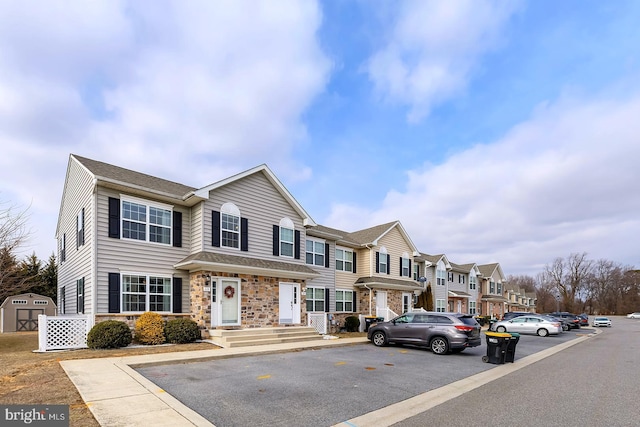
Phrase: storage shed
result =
(20, 312)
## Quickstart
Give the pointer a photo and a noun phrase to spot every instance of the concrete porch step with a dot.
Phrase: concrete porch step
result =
(262, 336)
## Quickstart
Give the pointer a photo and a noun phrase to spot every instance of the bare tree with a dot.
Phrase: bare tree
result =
(13, 227)
(569, 278)
(13, 233)
(13, 276)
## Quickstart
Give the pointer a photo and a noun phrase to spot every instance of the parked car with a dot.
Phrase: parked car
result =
(601, 321)
(574, 321)
(530, 324)
(584, 319)
(635, 315)
(511, 314)
(442, 332)
(566, 324)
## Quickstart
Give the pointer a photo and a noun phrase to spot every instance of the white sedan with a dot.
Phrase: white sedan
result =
(635, 315)
(601, 321)
(530, 324)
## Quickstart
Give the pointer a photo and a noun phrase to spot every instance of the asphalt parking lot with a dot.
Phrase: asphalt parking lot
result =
(321, 387)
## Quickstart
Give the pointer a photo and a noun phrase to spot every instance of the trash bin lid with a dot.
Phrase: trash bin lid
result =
(514, 334)
(498, 334)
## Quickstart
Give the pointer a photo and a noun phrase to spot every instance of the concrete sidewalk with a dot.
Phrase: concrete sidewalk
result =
(117, 395)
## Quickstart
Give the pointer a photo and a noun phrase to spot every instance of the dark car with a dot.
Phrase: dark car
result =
(574, 321)
(442, 332)
(584, 319)
(511, 314)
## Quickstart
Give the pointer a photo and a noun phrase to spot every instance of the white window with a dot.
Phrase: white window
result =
(344, 260)
(315, 299)
(146, 222)
(461, 278)
(499, 288)
(230, 227)
(440, 305)
(440, 274)
(406, 269)
(146, 293)
(19, 301)
(416, 271)
(315, 252)
(80, 295)
(40, 302)
(80, 228)
(286, 237)
(492, 287)
(472, 282)
(472, 307)
(344, 300)
(450, 277)
(382, 261)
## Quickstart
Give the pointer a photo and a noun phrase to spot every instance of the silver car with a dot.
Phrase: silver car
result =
(442, 332)
(538, 325)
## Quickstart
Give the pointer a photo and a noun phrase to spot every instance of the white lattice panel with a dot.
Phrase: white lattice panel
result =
(66, 332)
(318, 321)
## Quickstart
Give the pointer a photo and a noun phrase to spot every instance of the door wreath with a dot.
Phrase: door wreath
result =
(229, 292)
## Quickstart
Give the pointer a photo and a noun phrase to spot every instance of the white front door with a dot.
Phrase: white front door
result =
(289, 303)
(225, 302)
(407, 300)
(381, 304)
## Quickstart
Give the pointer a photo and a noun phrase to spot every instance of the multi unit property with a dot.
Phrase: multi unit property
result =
(243, 253)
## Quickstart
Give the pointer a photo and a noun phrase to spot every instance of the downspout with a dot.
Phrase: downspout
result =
(94, 252)
(370, 275)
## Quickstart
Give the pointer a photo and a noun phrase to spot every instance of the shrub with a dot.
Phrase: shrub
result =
(150, 329)
(352, 323)
(109, 334)
(181, 331)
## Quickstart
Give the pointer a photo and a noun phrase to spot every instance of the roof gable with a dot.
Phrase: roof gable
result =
(263, 169)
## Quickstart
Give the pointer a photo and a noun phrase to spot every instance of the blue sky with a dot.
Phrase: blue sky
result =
(495, 131)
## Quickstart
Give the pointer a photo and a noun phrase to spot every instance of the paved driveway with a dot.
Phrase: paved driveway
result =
(320, 387)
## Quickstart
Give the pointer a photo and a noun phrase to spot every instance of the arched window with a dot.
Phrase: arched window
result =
(230, 225)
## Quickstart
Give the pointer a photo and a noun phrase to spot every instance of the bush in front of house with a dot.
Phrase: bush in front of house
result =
(352, 323)
(181, 331)
(109, 334)
(149, 329)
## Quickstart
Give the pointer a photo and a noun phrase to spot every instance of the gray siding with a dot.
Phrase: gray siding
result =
(327, 277)
(124, 255)
(77, 194)
(263, 206)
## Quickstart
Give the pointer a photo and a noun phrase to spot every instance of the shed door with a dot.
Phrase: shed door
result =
(27, 319)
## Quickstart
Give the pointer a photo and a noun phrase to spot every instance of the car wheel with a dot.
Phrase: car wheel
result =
(379, 339)
(565, 328)
(501, 329)
(439, 345)
(543, 332)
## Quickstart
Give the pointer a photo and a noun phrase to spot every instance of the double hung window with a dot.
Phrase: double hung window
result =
(230, 230)
(315, 252)
(315, 299)
(146, 222)
(344, 260)
(344, 300)
(146, 293)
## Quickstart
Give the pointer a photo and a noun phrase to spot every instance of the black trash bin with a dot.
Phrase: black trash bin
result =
(497, 344)
(368, 321)
(510, 354)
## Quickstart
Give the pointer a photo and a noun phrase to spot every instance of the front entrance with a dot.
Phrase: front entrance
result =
(289, 303)
(225, 302)
(381, 304)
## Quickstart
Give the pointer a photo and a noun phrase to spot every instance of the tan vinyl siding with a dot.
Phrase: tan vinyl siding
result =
(263, 206)
(78, 194)
(197, 225)
(396, 245)
(125, 255)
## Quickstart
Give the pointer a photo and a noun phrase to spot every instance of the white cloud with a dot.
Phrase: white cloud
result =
(432, 49)
(564, 181)
(190, 91)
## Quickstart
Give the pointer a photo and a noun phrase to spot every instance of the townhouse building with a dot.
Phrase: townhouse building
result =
(238, 253)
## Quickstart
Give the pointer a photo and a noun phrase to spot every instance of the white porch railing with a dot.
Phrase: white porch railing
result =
(318, 321)
(62, 332)
(386, 313)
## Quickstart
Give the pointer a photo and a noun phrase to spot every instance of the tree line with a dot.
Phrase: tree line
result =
(29, 275)
(578, 284)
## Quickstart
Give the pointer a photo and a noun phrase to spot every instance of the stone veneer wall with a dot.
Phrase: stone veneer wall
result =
(260, 299)
(394, 301)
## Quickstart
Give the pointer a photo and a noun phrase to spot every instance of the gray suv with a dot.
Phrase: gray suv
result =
(442, 332)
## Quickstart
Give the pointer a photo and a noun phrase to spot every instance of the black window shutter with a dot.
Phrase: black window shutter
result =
(377, 262)
(353, 294)
(276, 240)
(177, 229)
(244, 234)
(326, 255)
(409, 268)
(296, 244)
(77, 235)
(82, 229)
(354, 262)
(400, 266)
(326, 300)
(177, 295)
(114, 292)
(215, 229)
(388, 264)
(114, 218)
